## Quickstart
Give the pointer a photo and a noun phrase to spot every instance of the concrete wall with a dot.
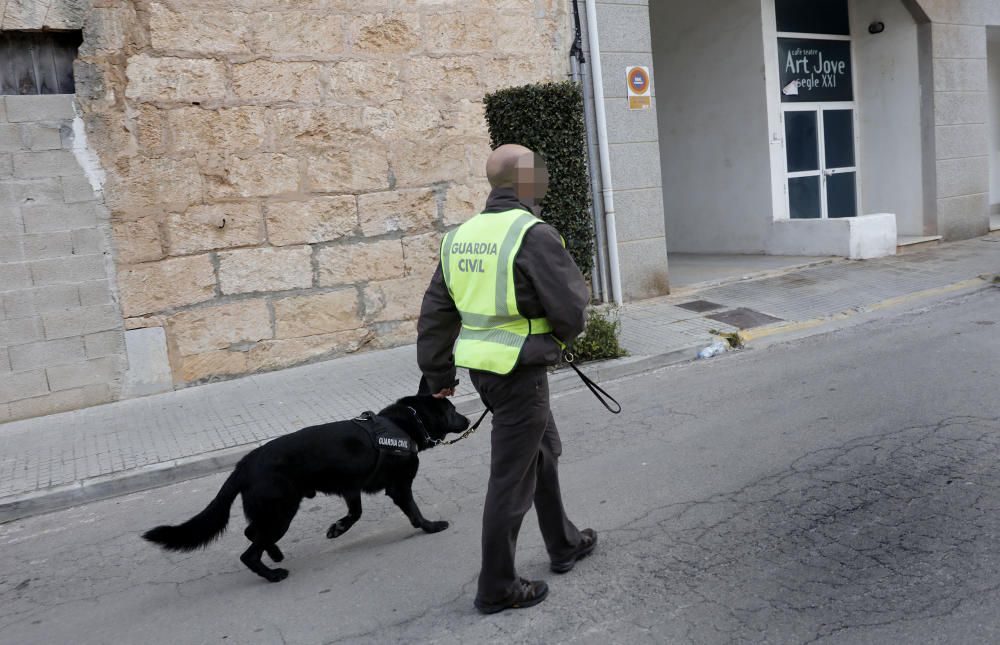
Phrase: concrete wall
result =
(713, 124)
(632, 139)
(993, 86)
(61, 344)
(959, 77)
(887, 86)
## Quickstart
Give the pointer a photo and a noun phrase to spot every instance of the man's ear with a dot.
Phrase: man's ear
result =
(423, 388)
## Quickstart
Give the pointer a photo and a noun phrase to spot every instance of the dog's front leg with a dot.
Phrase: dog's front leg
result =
(402, 495)
(340, 527)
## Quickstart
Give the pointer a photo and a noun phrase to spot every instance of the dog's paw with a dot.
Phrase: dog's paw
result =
(276, 575)
(336, 529)
(435, 527)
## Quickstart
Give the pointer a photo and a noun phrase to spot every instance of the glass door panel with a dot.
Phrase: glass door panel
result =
(841, 195)
(802, 141)
(838, 138)
(804, 200)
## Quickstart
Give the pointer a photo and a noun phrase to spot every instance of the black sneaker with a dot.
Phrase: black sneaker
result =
(527, 594)
(588, 540)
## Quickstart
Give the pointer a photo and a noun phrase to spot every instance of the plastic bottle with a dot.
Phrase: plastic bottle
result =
(716, 348)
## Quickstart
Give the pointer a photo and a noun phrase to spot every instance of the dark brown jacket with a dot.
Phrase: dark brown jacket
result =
(547, 284)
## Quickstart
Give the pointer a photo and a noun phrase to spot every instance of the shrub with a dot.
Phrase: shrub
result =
(599, 340)
(548, 118)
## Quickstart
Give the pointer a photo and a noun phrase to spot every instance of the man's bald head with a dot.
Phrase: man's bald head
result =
(515, 166)
(501, 166)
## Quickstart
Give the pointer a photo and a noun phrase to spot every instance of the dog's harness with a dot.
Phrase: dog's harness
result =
(387, 438)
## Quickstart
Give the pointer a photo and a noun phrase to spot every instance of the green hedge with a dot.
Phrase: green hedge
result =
(548, 118)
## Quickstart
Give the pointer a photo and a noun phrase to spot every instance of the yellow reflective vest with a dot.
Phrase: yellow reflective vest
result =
(477, 260)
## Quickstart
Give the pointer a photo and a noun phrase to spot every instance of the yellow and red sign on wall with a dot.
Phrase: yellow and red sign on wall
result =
(638, 83)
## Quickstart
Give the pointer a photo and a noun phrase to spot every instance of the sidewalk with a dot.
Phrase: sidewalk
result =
(59, 460)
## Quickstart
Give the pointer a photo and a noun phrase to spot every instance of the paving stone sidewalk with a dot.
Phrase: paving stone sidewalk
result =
(158, 439)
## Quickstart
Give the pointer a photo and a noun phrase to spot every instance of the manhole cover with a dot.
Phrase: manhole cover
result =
(744, 318)
(700, 306)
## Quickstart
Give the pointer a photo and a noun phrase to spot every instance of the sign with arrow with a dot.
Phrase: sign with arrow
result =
(814, 69)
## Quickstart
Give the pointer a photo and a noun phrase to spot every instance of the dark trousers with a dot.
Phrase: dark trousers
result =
(525, 449)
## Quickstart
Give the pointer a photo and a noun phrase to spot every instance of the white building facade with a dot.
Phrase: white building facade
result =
(803, 127)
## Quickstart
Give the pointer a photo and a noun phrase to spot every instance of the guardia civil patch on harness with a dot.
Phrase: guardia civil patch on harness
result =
(387, 437)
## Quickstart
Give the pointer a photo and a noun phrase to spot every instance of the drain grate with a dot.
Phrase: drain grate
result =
(700, 306)
(743, 318)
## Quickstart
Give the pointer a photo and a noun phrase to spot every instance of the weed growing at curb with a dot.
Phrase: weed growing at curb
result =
(599, 340)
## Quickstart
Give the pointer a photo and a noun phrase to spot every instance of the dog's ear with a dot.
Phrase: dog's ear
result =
(423, 388)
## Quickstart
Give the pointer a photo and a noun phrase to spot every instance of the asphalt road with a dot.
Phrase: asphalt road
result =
(842, 488)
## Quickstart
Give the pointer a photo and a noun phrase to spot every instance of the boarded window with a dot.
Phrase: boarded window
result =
(38, 62)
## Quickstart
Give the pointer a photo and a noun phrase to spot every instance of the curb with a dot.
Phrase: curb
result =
(114, 485)
(563, 381)
(750, 335)
(171, 472)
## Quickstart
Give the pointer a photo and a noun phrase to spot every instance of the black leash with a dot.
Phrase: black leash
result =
(594, 388)
(473, 428)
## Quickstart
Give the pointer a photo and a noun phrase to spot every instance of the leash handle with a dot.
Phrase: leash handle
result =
(596, 389)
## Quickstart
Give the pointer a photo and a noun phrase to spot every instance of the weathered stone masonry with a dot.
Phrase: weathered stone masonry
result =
(279, 173)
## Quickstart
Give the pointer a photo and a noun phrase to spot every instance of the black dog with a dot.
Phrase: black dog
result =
(367, 454)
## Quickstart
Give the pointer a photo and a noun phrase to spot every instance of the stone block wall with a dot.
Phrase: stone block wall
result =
(279, 174)
(39, 14)
(61, 343)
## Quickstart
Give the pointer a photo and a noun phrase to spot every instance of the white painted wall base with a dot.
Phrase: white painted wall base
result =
(858, 238)
(148, 365)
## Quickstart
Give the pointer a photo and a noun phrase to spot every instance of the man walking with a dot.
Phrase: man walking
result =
(506, 289)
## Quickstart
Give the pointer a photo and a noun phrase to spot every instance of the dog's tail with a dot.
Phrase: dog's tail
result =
(204, 527)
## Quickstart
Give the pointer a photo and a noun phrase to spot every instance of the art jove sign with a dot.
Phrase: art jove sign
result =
(815, 70)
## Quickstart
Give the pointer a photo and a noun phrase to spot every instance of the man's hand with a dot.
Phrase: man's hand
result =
(445, 393)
